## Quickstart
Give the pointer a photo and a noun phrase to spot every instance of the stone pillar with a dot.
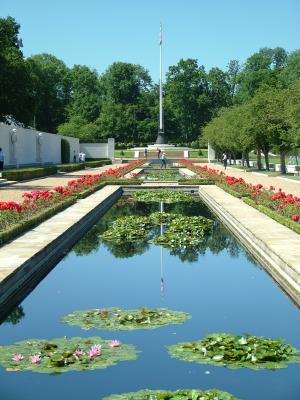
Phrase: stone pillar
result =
(211, 154)
(111, 148)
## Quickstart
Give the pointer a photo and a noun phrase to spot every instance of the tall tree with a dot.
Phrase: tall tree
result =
(15, 96)
(86, 94)
(187, 94)
(51, 90)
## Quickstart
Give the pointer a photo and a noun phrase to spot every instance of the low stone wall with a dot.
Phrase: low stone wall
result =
(276, 247)
(29, 258)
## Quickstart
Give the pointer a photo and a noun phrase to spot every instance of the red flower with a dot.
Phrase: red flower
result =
(295, 217)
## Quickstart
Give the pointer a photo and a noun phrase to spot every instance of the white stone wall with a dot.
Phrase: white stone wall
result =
(28, 146)
(99, 150)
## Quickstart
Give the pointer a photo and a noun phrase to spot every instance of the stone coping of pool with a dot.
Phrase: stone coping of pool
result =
(28, 258)
(275, 246)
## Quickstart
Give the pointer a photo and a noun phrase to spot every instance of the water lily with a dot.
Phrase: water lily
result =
(78, 353)
(253, 358)
(218, 357)
(35, 359)
(17, 357)
(242, 341)
(95, 350)
(115, 343)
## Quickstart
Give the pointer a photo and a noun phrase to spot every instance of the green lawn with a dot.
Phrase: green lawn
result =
(195, 153)
(124, 154)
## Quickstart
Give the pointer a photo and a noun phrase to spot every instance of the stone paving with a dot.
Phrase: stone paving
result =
(273, 243)
(14, 192)
(287, 185)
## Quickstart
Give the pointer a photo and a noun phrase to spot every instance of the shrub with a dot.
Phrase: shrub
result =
(69, 167)
(65, 151)
(100, 163)
(22, 174)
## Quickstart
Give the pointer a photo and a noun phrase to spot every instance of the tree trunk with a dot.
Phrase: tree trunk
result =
(243, 158)
(234, 159)
(259, 166)
(267, 161)
(282, 162)
(247, 159)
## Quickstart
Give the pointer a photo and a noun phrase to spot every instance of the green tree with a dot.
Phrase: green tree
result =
(51, 90)
(86, 94)
(15, 96)
(187, 95)
(262, 69)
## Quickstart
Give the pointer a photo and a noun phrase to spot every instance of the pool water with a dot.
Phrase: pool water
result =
(221, 286)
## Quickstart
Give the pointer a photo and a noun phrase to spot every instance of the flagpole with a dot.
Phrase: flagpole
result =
(160, 85)
(161, 134)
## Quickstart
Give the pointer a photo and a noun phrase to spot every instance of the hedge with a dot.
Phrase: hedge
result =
(295, 226)
(31, 222)
(99, 163)
(21, 174)
(196, 181)
(65, 151)
(70, 167)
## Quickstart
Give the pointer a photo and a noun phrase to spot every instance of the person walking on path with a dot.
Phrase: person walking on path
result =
(224, 159)
(158, 151)
(163, 161)
(1, 159)
(145, 153)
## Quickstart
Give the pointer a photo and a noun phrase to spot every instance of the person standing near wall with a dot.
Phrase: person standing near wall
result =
(1, 159)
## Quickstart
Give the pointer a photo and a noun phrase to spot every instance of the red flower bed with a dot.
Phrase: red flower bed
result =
(33, 202)
(284, 204)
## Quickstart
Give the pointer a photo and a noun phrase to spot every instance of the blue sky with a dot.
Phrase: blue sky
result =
(98, 32)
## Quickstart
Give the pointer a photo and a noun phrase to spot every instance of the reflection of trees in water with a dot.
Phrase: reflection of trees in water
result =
(127, 249)
(91, 241)
(219, 240)
(15, 316)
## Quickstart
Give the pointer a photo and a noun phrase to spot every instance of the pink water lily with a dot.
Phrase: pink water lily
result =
(95, 350)
(35, 359)
(17, 357)
(78, 353)
(115, 343)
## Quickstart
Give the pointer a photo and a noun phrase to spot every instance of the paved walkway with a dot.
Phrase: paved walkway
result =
(14, 192)
(278, 250)
(287, 185)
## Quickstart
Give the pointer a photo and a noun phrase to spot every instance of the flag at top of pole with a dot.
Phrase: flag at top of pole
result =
(160, 35)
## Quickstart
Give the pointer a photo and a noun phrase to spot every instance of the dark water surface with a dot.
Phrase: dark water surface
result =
(221, 286)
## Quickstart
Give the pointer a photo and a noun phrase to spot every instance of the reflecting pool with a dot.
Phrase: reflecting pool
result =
(219, 284)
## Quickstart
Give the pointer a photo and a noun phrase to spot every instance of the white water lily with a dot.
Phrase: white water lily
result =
(217, 357)
(242, 341)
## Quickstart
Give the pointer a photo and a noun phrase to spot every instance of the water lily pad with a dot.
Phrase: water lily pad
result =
(185, 232)
(116, 319)
(182, 394)
(128, 229)
(62, 355)
(162, 195)
(158, 217)
(224, 349)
